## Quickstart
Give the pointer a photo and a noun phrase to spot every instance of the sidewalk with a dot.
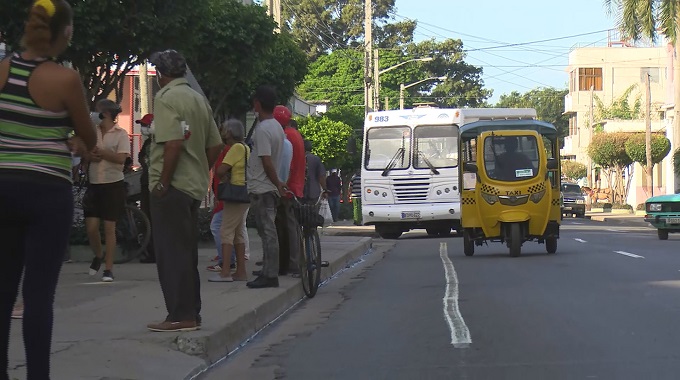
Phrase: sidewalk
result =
(624, 219)
(100, 328)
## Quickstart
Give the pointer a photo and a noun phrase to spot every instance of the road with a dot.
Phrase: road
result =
(604, 307)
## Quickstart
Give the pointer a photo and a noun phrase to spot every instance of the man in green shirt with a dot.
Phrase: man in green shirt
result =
(186, 143)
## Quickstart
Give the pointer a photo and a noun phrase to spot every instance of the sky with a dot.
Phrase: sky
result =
(484, 24)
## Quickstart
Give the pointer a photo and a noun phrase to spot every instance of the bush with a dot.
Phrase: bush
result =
(346, 211)
(621, 206)
(602, 205)
(640, 207)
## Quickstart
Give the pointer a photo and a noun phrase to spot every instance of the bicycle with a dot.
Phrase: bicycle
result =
(133, 229)
(307, 215)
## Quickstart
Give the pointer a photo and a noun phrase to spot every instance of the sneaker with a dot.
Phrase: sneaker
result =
(96, 264)
(107, 276)
(263, 282)
(168, 326)
(216, 258)
(214, 268)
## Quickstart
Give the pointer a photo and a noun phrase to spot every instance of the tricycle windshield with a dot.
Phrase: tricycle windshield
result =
(511, 158)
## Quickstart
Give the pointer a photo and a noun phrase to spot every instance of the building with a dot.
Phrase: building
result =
(605, 73)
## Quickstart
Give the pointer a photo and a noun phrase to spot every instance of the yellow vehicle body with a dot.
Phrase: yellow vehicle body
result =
(510, 191)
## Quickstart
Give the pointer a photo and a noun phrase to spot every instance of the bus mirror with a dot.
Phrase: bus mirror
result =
(552, 164)
(470, 167)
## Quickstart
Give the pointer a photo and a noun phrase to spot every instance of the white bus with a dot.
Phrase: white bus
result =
(410, 174)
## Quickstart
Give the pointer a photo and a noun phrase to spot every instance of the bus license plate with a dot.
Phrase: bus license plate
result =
(410, 215)
(673, 220)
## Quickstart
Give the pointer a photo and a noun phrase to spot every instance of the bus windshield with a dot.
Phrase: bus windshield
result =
(388, 146)
(436, 145)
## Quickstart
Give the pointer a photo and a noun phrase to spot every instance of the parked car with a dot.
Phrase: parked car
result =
(663, 212)
(574, 202)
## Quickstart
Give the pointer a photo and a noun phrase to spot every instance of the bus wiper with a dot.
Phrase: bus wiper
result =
(428, 163)
(400, 153)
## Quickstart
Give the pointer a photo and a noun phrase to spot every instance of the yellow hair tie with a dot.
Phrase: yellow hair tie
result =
(48, 5)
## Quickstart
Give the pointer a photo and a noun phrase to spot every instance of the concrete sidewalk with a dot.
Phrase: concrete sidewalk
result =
(100, 328)
(624, 219)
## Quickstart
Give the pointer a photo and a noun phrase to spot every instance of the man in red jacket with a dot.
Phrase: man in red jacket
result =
(286, 223)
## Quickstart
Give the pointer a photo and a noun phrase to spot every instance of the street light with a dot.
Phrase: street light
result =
(377, 73)
(402, 88)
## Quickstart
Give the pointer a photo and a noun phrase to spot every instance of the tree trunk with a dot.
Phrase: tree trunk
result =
(648, 136)
(676, 95)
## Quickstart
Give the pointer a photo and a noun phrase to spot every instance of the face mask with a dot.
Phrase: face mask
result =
(94, 117)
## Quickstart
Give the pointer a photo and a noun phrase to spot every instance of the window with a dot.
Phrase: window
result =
(511, 158)
(573, 126)
(653, 72)
(436, 145)
(388, 145)
(590, 77)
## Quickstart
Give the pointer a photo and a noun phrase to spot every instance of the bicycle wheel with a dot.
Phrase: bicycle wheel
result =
(133, 232)
(312, 255)
(304, 264)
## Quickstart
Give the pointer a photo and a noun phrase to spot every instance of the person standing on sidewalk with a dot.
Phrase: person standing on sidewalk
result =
(334, 184)
(315, 181)
(41, 102)
(185, 146)
(105, 196)
(286, 223)
(264, 185)
(143, 158)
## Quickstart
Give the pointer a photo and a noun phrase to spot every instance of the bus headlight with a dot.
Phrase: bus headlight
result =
(536, 197)
(490, 198)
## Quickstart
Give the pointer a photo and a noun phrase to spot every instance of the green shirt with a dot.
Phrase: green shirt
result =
(180, 113)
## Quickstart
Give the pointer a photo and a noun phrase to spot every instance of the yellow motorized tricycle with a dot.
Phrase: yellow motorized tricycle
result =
(510, 191)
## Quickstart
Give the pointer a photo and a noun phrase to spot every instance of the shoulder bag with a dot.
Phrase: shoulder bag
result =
(229, 192)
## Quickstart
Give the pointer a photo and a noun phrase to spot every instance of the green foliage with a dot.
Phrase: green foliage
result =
(608, 150)
(235, 51)
(637, 151)
(330, 139)
(642, 18)
(640, 207)
(621, 108)
(338, 77)
(321, 26)
(676, 162)
(548, 102)
(113, 36)
(602, 205)
(573, 170)
(352, 116)
(621, 206)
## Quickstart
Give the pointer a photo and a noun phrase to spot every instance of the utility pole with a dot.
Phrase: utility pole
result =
(274, 10)
(591, 125)
(376, 80)
(143, 89)
(648, 135)
(368, 55)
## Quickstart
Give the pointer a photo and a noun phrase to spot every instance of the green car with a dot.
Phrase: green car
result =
(663, 212)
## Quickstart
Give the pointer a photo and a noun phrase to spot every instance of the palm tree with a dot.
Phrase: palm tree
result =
(639, 19)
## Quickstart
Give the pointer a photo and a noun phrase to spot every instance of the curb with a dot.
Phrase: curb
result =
(624, 221)
(230, 337)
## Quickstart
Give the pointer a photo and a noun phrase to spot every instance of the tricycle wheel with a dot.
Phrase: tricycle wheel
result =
(468, 243)
(551, 244)
(515, 241)
(663, 234)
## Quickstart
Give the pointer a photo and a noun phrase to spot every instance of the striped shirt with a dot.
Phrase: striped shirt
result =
(32, 139)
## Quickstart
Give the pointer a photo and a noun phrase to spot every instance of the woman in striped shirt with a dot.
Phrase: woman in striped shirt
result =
(41, 102)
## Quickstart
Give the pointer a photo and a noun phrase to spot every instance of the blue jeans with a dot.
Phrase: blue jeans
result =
(334, 203)
(215, 225)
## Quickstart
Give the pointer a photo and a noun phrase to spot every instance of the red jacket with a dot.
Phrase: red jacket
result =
(216, 181)
(296, 180)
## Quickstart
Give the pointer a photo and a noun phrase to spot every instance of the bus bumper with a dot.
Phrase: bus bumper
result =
(412, 214)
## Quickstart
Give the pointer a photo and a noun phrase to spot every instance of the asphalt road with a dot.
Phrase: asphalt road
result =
(606, 306)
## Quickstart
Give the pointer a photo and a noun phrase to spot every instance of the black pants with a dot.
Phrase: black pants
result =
(35, 224)
(287, 230)
(145, 205)
(175, 235)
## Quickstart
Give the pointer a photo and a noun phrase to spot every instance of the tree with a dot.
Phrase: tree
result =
(236, 51)
(548, 102)
(322, 26)
(621, 108)
(329, 139)
(338, 76)
(113, 36)
(637, 151)
(573, 170)
(608, 150)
